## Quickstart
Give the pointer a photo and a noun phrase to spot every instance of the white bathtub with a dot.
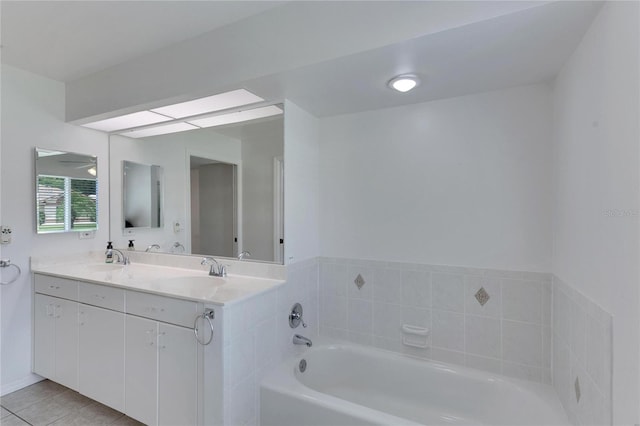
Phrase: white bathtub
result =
(347, 384)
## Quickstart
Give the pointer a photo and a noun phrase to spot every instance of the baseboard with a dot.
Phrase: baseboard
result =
(19, 384)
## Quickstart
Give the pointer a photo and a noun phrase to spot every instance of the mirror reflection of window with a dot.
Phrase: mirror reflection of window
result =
(66, 191)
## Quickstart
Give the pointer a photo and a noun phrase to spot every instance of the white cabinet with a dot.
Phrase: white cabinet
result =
(134, 352)
(44, 337)
(56, 339)
(101, 355)
(162, 372)
(177, 375)
(141, 365)
(66, 348)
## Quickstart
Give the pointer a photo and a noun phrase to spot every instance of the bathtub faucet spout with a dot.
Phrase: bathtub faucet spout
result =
(301, 340)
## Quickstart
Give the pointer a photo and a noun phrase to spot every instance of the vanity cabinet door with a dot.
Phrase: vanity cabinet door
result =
(66, 346)
(44, 337)
(177, 375)
(101, 355)
(55, 343)
(141, 367)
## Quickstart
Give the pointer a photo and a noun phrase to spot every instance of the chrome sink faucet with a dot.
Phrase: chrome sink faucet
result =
(152, 246)
(122, 259)
(244, 255)
(216, 269)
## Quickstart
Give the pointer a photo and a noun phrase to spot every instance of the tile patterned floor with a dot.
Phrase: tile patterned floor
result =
(48, 403)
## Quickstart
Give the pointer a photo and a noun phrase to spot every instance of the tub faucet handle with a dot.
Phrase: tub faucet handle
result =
(295, 317)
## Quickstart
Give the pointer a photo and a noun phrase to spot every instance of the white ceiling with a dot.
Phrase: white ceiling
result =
(66, 40)
(524, 47)
(517, 45)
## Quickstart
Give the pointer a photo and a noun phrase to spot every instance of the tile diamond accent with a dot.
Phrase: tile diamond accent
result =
(359, 281)
(482, 296)
(577, 387)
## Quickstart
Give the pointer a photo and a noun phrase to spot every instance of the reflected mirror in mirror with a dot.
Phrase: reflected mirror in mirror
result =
(244, 214)
(66, 191)
(141, 195)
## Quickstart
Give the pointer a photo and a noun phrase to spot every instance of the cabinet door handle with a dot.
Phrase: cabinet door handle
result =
(162, 333)
(48, 310)
(149, 334)
(55, 311)
(98, 296)
(54, 287)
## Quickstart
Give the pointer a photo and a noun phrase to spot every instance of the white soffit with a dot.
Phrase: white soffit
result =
(237, 117)
(159, 130)
(136, 119)
(219, 102)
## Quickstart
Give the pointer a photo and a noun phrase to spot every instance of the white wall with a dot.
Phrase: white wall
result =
(261, 143)
(301, 184)
(172, 153)
(596, 217)
(33, 116)
(462, 181)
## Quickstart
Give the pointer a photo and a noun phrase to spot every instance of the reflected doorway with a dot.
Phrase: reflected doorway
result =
(214, 225)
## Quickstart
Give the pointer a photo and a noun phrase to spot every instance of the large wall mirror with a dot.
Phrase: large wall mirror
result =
(66, 186)
(223, 190)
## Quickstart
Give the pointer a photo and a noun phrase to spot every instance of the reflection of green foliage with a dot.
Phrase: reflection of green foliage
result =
(82, 206)
(83, 203)
(86, 187)
(53, 182)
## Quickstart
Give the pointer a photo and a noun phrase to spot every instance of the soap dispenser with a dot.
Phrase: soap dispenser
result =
(109, 253)
(131, 246)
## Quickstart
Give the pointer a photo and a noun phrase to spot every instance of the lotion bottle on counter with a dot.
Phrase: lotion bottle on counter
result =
(109, 253)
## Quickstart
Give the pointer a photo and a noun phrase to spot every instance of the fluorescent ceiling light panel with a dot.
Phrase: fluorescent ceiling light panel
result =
(237, 117)
(213, 103)
(137, 119)
(159, 130)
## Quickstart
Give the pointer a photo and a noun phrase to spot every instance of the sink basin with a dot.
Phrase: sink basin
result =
(105, 267)
(192, 280)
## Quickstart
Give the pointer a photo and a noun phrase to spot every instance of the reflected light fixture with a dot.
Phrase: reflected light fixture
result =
(237, 117)
(162, 129)
(403, 83)
(141, 118)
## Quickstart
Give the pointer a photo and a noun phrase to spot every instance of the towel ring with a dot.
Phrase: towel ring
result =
(207, 315)
(6, 264)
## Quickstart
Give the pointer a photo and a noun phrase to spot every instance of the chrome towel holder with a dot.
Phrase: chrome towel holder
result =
(208, 315)
(6, 263)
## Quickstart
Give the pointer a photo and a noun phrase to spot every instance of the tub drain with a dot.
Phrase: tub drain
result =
(302, 366)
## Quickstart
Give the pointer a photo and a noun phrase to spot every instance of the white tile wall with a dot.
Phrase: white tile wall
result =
(582, 349)
(257, 337)
(510, 334)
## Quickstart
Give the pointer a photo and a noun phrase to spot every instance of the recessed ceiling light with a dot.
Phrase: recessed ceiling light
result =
(159, 130)
(237, 117)
(214, 103)
(404, 83)
(128, 121)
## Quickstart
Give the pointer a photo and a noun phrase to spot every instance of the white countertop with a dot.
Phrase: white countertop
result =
(182, 283)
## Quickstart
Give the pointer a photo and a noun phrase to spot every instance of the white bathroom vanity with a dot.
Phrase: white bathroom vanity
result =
(144, 339)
